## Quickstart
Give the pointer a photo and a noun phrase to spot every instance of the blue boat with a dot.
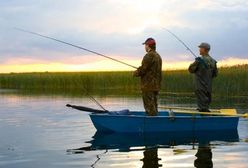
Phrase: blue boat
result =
(138, 121)
(126, 121)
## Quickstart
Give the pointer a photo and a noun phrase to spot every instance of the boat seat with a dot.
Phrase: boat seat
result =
(121, 112)
(228, 111)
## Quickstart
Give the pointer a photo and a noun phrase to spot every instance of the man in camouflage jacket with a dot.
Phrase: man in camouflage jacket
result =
(150, 73)
(205, 69)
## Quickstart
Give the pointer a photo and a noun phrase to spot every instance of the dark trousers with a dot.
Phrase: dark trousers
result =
(204, 99)
(150, 102)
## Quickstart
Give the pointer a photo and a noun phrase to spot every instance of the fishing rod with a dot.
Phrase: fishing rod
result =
(51, 38)
(91, 97)
(76, 46)
(89, 109)
(94, 100)
(183, 43)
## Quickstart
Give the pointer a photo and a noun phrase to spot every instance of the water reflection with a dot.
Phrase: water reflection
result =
(150, 143)
(151, 159)
(204, 156)
(167, 98)
(37, 129)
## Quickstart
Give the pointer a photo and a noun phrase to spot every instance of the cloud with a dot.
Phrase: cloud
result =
(223, 4)
(117, 28)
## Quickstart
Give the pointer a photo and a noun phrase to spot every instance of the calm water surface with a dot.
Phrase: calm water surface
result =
(39, 131)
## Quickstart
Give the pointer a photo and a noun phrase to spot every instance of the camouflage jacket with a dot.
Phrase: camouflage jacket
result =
(204, 73)
(150, 72)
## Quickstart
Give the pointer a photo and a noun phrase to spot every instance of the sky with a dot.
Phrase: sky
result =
(117, 28)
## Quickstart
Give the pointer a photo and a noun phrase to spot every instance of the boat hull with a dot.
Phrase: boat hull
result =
(140, 122)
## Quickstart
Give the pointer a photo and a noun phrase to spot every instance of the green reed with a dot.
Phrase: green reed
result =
(231, 81)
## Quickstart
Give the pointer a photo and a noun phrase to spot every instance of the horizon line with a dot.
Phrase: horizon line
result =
(103, 71)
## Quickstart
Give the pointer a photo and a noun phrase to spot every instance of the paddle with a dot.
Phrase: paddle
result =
(223, 112)
(228, 111)
(86, 109)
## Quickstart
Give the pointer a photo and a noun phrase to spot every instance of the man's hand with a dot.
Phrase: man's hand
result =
(198, 59)
(201, 61)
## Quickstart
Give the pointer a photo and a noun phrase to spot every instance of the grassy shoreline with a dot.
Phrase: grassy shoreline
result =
(231, 81)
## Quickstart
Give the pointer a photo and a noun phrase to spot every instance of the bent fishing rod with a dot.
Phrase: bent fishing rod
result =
(76, 46)
(183, 43)
(91, 97)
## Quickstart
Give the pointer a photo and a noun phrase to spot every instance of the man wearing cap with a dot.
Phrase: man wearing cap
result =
(150, 73)
(205, 69)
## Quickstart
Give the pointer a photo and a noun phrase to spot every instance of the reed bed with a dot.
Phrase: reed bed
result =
(231, 81)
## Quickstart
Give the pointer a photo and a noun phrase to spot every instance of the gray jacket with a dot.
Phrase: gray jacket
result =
(204, 70)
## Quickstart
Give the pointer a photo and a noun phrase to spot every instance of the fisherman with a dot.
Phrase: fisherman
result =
(150, 73)
(205, 69)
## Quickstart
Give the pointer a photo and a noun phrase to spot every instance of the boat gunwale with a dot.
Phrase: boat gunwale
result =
(198, 116)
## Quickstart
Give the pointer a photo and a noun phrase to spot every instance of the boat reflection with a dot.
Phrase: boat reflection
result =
(149, 143)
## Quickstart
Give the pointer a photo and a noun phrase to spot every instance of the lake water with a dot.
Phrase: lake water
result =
(39, 131)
